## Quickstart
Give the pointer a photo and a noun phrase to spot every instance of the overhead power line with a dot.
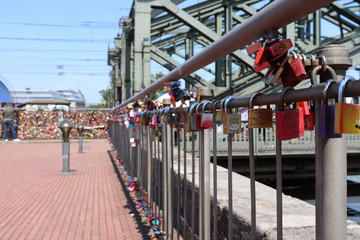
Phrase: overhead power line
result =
(56, 39)
(51, 50)
(60, 73)
(84, 24)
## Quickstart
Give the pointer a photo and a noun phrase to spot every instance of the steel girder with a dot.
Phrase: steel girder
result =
(170, 28)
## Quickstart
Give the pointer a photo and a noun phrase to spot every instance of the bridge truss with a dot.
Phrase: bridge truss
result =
(165, 33)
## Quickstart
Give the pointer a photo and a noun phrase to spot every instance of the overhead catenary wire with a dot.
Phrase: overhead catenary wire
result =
(57, 39)
(84, 24)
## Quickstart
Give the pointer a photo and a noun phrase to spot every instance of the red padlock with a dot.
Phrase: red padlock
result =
(261, 66)
(309, 120)
(253, 48)
(206, 118)
(305, 106)
(294, 71)
(309, 115)
(260, 56)
(278, 47)
(289, 123)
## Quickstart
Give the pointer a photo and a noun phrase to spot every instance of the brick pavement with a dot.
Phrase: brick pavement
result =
(38, 203)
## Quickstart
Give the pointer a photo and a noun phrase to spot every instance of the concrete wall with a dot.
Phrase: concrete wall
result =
(298, 216)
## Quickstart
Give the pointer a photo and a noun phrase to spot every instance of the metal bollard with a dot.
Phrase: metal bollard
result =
(80, 128)
(66, 127)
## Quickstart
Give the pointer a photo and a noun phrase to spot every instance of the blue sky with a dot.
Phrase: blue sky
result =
(55, 44)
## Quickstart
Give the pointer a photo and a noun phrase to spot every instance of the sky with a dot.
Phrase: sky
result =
(52, 44)
(59, 44)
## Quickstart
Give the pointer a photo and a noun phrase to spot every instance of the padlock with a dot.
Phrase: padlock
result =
(347, 116)
(309, 116)
(261, 66)
(253, 48)
(305, 106)
(147, 119)
(141, 117)
(278, 47)
(294, 71)
(231, 121)
(327, 115)
(260, 56)
(187, 119)
(217, 113)
(195, 119)
(206, 118)
(155, 119)
(309, 120)
(179, 121)
(275, 76)
(170, 118)
(198, 117)
(260, 117)
(289, 123)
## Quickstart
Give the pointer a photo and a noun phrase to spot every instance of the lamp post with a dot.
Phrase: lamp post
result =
(80, 128)
(27, 93)
(65, 127)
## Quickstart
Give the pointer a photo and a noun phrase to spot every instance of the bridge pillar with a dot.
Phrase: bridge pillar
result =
(332, 202)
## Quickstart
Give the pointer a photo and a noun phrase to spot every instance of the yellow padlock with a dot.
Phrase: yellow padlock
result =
(347, 116)
(231, 121)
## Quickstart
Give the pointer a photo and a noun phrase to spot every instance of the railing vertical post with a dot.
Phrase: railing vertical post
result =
(230, 217)
(193, 186)
(279, 206)
(158, 167)
(178, 197)
(170, 158)
(335, 159)
(139, 155)
(132, 151)
(318, 174)
(185, 181)
(164, 176)
(149, 167)
(206, 180)
(202, 185)
(252, 183)
(205, 93)
(215, 220)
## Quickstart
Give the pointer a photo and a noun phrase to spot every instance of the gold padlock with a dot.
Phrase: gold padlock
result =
(261, 117)
(231, 121)
(189, 120)
(347, 116)
(217, 113)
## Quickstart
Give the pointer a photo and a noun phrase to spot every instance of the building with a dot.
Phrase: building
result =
(76, 99)
(21, 96)
(5, 96)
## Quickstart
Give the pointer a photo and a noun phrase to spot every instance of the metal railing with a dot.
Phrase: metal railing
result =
(175, 199)
(159, 161)
(265, 142)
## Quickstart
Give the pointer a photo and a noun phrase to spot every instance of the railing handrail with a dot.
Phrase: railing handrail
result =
(315, 92)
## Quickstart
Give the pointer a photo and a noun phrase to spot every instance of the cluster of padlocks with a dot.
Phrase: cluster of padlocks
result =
(139, 197)
(294, 118)
(291, 119)
(284, 66)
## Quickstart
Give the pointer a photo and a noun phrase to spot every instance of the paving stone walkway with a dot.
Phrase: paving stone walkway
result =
(38, 203)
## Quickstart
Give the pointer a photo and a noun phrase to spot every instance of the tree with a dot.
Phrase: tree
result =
(155, 95)
(107, 95)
